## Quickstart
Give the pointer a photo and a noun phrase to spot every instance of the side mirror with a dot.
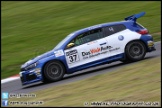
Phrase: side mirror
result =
(70, 45)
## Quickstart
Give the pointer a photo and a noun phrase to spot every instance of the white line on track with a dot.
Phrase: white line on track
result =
(9, 79)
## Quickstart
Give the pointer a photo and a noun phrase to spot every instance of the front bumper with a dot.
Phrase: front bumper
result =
(31, 76)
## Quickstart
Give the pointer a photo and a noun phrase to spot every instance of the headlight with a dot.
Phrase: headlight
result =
(31, 66)
(20, 74)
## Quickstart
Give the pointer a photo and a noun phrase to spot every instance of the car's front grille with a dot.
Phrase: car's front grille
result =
(22, 79)
(30, 77)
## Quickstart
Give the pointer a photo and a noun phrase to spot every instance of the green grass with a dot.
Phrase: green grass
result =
(157, 36)
(32, 28)
(137, 82)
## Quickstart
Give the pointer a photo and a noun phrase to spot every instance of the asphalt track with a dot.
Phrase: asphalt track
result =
(16, 87)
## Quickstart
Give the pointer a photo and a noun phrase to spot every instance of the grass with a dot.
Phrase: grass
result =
(157, 36)
(30, 28)
(137, 82)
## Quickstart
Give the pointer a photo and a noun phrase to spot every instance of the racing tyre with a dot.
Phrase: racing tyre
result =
(135, 51)
(53, 71)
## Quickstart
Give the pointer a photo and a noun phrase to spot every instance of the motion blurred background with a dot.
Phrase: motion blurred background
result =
(32, 28)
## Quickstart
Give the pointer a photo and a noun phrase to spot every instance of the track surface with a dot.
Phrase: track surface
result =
(16, 87)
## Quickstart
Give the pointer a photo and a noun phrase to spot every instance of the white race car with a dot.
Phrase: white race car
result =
(104, 43)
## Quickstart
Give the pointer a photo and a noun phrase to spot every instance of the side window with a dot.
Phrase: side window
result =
(114, 29)
(88, 37)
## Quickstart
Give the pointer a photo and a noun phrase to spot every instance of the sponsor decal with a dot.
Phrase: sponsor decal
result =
(95, 50)
(98, 51)
(71, 52)
(120, 37)
(59, 53)
(91, 42)
(114, 49)
(111, 29)
(72, 56)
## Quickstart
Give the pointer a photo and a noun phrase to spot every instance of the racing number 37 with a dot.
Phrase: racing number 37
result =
(72, 56)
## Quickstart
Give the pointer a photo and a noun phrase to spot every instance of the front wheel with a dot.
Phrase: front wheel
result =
(135, 51)
(53, 71)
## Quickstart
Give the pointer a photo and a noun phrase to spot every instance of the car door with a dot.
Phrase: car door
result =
(114, 36)
(89, 47)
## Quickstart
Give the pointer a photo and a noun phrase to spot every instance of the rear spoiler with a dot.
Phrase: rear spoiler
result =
(135, 16)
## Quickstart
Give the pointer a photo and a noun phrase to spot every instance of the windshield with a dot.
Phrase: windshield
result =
(63, 41)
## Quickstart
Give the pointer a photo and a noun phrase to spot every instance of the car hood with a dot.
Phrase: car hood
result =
(31, 61)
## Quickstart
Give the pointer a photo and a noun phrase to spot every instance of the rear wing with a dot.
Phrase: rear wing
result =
(135, 16)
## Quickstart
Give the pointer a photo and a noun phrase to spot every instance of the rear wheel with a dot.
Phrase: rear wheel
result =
(135, 51)
(53, 71)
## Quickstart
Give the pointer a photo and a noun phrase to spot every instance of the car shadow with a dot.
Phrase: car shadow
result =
(86, 72)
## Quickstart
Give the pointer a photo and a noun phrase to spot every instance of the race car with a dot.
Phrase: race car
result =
(99, 44)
